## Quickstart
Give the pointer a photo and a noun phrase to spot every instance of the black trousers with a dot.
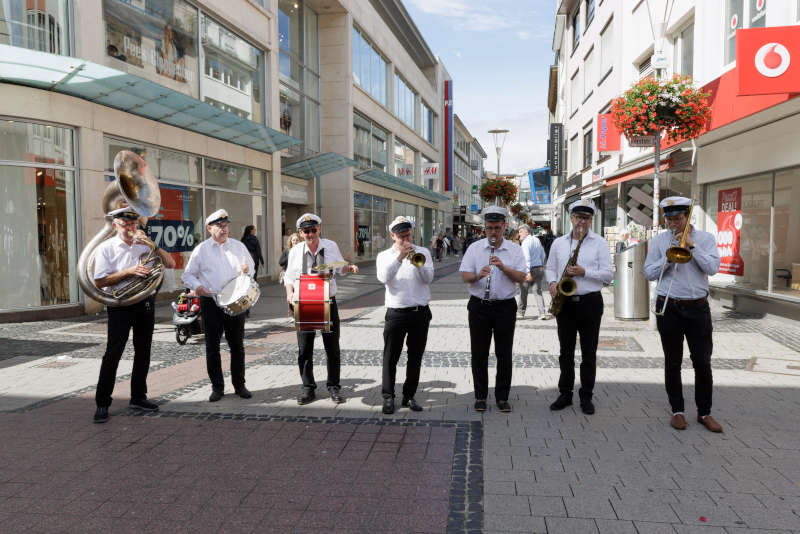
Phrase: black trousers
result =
(305, 345)
(215, 322)
(411, 326)
(694, 324)
(140, 317)
(497, 318)
(579, 317)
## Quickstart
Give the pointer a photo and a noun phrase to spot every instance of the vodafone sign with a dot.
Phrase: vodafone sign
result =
(764, 60)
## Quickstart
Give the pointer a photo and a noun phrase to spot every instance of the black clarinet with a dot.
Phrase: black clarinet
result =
(489, 278)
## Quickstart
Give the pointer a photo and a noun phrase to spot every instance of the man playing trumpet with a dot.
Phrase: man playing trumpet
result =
(116, 262)
(407, 313)
(582, 311)
(682, 308)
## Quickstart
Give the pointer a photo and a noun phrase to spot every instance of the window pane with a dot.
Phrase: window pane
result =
(687, 51)
(25, 141)
(588, 74)
(312, 40)
(178, 228)
(365, 61)
(312, 126)
(758, 17)
(734, 11)
(227, 176)
(290, 117)
(356, 56)
(289, 26)
(607, 49)
(158, 38)
(242, 211)
(587, 149)
(289, 70)
(787, 222)
(23, 25)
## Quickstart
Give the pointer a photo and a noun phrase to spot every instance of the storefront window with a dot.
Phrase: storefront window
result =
(164, 164)
(178, 227)
(410, 211)
(403, 161)
(38, 25)
(380, 222)
(158, 37)
(227, 176)
(362, 220)
(39, 252)
(242, 211)
(234, 71)
(785, 242)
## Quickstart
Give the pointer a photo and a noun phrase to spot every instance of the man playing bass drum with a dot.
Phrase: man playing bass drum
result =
(581, 312)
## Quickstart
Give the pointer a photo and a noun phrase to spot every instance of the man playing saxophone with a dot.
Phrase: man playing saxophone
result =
(582, 311)
(116, 264)
(686, 313)
(492, 267)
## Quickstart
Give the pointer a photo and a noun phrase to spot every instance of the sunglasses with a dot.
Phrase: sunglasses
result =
(312, 230)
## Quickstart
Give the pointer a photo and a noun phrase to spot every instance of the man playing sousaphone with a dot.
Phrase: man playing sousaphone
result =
(116, 263)
(214, 263)
(303, 259)
(682, 306)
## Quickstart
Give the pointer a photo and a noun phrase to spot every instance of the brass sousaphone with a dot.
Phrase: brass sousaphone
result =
(135, 186)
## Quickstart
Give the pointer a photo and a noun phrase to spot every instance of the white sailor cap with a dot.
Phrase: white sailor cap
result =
(675, 205)
(494, 214)
(218, 216)
(583, 205)
(125, 212)
(308, 219)
(401, 224)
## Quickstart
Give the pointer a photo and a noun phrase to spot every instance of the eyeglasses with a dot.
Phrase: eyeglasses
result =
(312, 230)
(220, 225)
(494, 228)
(583, 217)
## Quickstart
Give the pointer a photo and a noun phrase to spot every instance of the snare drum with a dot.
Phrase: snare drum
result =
(312, 303)
(238, 295)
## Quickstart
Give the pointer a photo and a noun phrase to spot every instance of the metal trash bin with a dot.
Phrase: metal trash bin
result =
(631, 289)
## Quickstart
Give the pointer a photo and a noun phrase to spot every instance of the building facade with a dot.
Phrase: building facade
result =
(741, 154)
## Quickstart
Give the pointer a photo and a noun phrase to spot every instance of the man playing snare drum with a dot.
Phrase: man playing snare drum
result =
(302, 259)
(213, 263)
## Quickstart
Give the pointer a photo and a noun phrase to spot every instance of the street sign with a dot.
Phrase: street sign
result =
(659, 61)
(642, 141)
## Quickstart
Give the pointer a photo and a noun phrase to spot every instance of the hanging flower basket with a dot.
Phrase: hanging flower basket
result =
(498, 190)
(515, 208)
(673, 107)
(523, 218)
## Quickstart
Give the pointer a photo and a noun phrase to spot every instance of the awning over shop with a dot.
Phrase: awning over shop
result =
(639, 172)
(384, 179)
(132, 94)
(313, 166)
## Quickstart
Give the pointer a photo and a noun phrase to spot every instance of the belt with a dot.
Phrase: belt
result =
(686, 303)
(411, 309)
(492, 302)
(578, 298)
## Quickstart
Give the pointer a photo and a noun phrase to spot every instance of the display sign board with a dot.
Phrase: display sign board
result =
(729, 231)
(768, 60)
(642, 141)
(608, 136)
(554, 148)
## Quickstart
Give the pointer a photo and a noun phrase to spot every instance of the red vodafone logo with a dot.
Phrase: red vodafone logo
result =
(772, 60)
(760, 4)
(734, 21)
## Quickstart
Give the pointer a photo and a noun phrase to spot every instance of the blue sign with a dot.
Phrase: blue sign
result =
(540, 185)
(172, 236)
(473, 208)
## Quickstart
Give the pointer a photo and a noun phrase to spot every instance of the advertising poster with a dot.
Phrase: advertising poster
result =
(729, 231)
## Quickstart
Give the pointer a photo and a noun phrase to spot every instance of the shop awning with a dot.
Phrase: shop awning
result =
(384, 179)
(638, 173)
(317, 165)
(127, 92)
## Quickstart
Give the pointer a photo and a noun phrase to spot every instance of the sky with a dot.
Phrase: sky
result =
(498, 53)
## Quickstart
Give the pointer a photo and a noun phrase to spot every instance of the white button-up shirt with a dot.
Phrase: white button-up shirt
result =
(212, 265)
(477, 257)
(113, 255)
(406, 285)
(534, 252)
(594, 257)
(691, 279)
(327, 252)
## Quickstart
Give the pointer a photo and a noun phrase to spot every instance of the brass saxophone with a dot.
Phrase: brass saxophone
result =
(567, 286)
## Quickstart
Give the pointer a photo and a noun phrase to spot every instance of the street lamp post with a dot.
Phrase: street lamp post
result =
(499, 137)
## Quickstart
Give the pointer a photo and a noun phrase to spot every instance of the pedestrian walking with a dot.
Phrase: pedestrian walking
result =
(682, 310)
(492, 267)
(407, 313)
(533, 251)
(250, 241)
(581, 312)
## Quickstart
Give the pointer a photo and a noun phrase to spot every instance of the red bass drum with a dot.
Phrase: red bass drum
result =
(312, 303)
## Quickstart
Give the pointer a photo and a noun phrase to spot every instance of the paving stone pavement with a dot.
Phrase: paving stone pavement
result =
(268, 465)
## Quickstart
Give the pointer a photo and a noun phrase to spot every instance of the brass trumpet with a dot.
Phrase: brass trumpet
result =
(417, 259)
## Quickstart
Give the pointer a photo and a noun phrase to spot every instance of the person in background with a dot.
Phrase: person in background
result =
(250, 241)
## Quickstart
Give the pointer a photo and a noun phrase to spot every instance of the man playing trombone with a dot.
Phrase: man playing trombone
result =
(582, 309)
(682, 305)
(407, 272)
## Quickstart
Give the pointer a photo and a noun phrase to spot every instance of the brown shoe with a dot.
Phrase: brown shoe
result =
(709, 423)
(678, 422)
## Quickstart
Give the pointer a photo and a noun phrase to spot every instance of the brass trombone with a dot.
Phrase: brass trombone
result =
(676, 254)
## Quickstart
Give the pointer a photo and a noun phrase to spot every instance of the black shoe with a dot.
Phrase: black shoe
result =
(587, 406)
(480, 405)
(388, 406)
(563, 400)
(243, 392)
(101, 414)
(411, 404)
(144, 405)
(336, 395)
(307, 397)
(504, 406)
(215, 395)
